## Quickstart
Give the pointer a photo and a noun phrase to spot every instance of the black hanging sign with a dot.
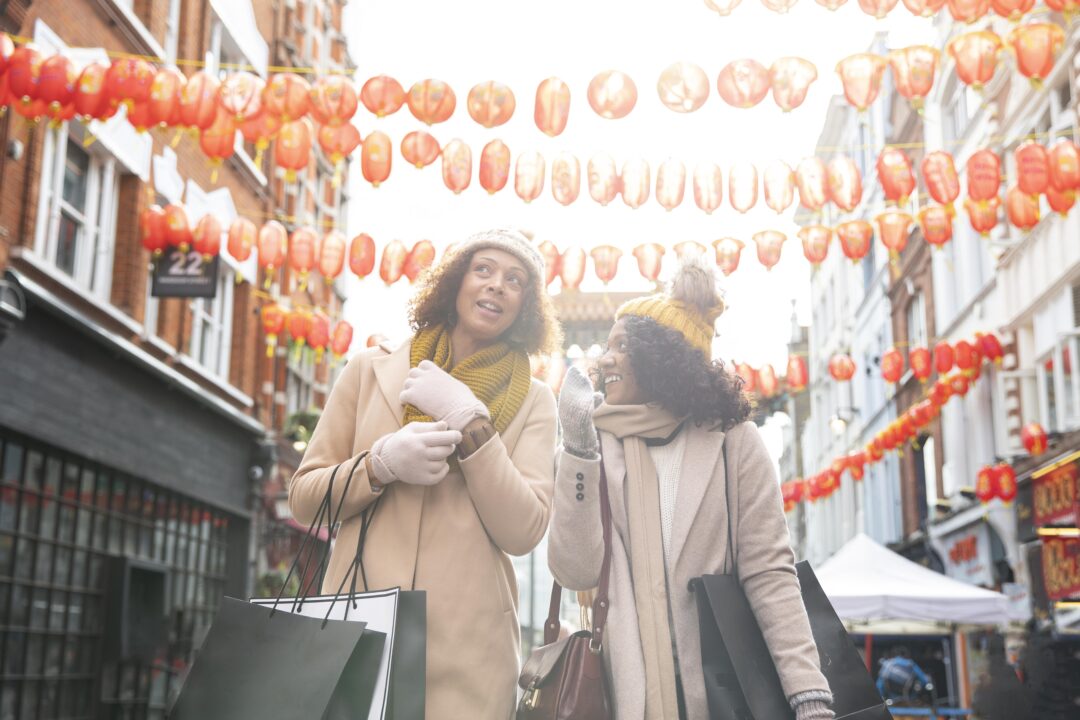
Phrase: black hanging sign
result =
(178, 274)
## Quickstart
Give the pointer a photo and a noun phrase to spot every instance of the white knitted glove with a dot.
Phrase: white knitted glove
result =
(812, 705)
(577, 400)
(440, 396)
(415, 454)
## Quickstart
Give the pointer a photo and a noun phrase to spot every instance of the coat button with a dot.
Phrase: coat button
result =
(580, 487)
(580, 496)
(580, 476)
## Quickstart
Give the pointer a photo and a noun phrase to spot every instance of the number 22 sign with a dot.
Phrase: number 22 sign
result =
(178, 274)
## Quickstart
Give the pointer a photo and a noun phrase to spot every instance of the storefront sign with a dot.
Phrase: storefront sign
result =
(1061, 567)
(1055, 495)
(967, 555)
(178, 274)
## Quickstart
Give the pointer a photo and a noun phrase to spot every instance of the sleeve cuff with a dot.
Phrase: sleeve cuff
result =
(823, 696)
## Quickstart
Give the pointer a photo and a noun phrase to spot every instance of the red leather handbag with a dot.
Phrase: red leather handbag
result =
(564, 679)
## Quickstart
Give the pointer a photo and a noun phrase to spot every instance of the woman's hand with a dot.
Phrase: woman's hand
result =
(415, 454)
(435, 393)
(577, 400)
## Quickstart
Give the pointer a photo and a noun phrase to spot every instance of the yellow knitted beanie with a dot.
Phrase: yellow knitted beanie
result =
(690, 307)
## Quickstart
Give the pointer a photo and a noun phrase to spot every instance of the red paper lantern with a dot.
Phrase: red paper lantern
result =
(603, 178)
(393, 262)
(856, 465)
(861, 75)
(815, 242)
(790, 78)
(683, 87)
(797, 378)
(727, 254)
(552, 261)
(1012, 9)
(298, 324)
(1034, 438)
(892, 365)
(748, 377)
(875, 451)
(199, 101)
(382, 95)
(634, 182)
(966, 355)
(742, 186)
(968, 11)
(767, 382)
(319, 335)
(983, 215)
(724, 7)
(376, 157)
(572, 268)
(983, 175)
(241, 240)
(1005, 482)
(743, 83)
(341, 339)
(529, 176)
(959, 385)
(935, 223)
(494, 166)
(841, 367)
(24, 73)
(844, 183)
(606, 262)
(708, 187)
(292, 149)
(271, 247)
(779, 6)
(1035, 47)
(1065, 165)
(924, 8)
(769, 244)
(207, 237)
(420, 148)
(1060, 201)
(240, 95)
(177, 228)
(1068, 8)
(491, 103)
(939, 174)
(152, 229)
(258, 131)
(332, 255)
(895, 175)
(990, 347)
(1022, 208)
(90, 100)
(893, 229)
(689, 249)
(855, 237)
(163, 105)
(362, 255)
(976, 57)
(57, 79)
(612, 94)
(566, 178)
(944, 357)
(921, 363)
(1032, 168)
(812, 179)
(431, 101)
(913, 71)
(303, 252)
(552, 106)
(273, 323)
(985, 488)
(420, 258)
(288, 97)
(649, 257)
(670, 184)
(456, 165)
(333, 100)
(218, 142)
(877, 8)
(338, 142)
(127, 82)
(779, 183)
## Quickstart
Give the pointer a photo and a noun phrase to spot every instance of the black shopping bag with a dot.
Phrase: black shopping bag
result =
(258, 663)
(740, 678)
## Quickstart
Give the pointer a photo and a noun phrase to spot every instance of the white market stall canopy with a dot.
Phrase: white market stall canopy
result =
(881, 591)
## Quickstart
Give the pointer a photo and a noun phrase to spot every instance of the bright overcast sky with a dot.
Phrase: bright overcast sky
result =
(521, 43)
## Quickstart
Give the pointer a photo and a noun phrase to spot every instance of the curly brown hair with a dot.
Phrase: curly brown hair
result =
(536, 330)
(680, 378)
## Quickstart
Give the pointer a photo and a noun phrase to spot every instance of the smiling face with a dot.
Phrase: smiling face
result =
(490, 297)
(619, 382)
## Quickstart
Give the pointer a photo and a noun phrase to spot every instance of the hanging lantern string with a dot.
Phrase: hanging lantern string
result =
(267, 297)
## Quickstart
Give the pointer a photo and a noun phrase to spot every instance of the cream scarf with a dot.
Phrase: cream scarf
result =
(632, 425)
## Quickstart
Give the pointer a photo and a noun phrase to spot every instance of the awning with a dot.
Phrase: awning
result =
(238, 17)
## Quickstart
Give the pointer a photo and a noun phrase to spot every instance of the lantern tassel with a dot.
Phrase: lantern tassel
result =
(269, 281)
(176, 138)
(238, 278)
(89, 140)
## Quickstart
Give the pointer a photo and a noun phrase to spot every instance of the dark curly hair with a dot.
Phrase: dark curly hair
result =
(680, 378)
(536, 330)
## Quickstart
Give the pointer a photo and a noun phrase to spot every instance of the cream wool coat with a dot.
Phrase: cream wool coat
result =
(764, 560)
(451, 540)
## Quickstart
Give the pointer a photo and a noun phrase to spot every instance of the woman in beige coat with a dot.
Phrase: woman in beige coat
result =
(667, 415)
(455, 439)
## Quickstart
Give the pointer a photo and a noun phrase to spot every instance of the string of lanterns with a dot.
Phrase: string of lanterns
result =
(966, 11)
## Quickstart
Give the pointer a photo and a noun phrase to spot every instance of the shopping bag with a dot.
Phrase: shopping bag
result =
(258, 663)
(740, 678)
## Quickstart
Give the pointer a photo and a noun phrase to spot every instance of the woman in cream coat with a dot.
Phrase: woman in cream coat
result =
(667, 415)
(454, 437)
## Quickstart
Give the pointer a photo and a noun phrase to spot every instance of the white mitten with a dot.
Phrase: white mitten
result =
(440, 396)
(415, 454)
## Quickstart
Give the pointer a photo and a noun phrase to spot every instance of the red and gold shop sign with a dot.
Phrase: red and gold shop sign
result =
(1055, 495)
(1061, 567)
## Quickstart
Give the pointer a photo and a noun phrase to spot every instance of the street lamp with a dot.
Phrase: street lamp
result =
(839, 421)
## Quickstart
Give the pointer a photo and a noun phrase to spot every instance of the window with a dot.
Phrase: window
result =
(172, 31)
(77, 208)
(1059, 386)
(916, 321)
(299, 382)
(211, 326)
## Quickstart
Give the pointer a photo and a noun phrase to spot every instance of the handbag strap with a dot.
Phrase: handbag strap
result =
(600, 602)
(729, 556)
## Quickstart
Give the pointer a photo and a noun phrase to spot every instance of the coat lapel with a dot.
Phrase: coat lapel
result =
(699, 467)
(390, 373)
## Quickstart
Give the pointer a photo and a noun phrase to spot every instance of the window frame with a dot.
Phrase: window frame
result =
(217, 312)
(300, 380)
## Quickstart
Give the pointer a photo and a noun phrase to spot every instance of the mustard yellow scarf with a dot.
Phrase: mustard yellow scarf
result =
(498, 375)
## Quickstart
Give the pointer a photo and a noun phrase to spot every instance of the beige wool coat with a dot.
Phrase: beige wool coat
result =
(699, 539)
(452, 540)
